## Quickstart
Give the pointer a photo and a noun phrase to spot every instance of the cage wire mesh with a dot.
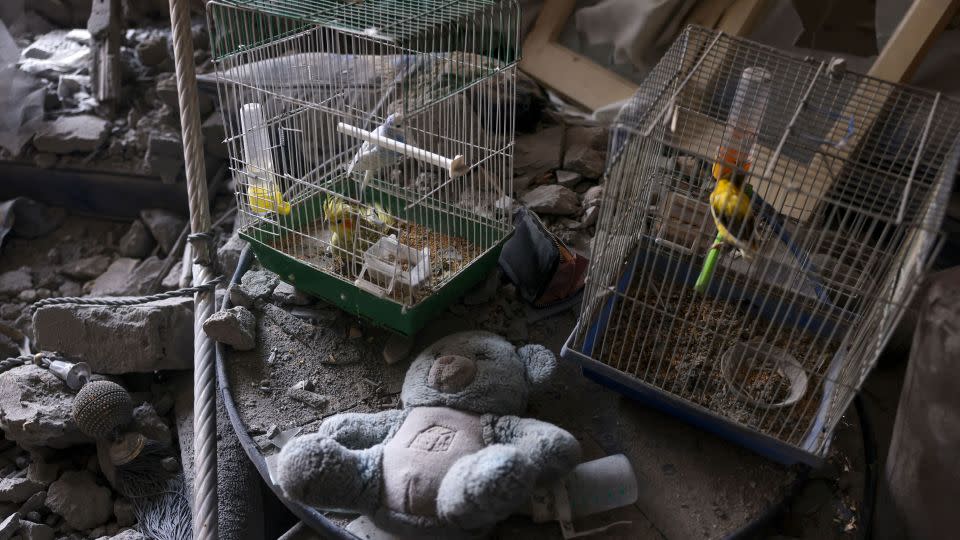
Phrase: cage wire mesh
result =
(849, 176)
(370, 140)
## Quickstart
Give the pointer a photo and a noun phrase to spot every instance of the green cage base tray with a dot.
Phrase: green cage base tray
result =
(380, 311)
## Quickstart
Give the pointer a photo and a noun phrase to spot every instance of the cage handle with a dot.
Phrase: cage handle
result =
(456, 166)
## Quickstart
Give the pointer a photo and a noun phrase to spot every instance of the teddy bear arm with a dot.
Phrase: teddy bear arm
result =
(362, 430)
(552, 451)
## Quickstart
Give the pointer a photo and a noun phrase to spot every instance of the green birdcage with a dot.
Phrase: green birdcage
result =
(370, 142)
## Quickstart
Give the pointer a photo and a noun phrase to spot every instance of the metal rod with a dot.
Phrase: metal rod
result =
(204, 373)
(772, 163)
(916, 161)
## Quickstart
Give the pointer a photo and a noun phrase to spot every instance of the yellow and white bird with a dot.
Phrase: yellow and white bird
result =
(349, 224)
(731, 206)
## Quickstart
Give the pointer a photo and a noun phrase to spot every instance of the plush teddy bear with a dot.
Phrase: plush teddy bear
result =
(454, 460)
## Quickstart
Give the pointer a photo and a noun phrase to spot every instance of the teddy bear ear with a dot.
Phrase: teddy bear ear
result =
(540, 363)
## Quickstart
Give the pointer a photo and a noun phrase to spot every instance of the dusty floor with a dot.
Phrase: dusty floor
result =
(692, 484)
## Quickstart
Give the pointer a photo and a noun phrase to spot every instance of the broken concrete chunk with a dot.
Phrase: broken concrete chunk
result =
(568, 179)
(535, 155)
(303, 393)
(42, 473)
(229, 254)
(15, 281)
(86, 268)
(35, 409)
(137, 242)
(35, 531)
(117, 280)
(152, 51)
(239, 297)
(80, 501)
(164, 156)
(586, 151)
(164, 226)
(259, 284)
(397, 348)
(236, 327)
(214, 134)
(18, 488)
(120, 339)
(66, 134)
(35, 503)
(593, 196)
(590, 216)
(288, 295)
(552, 200)
(9, 526)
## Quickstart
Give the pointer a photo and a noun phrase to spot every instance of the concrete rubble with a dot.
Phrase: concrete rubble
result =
(120, 339)
(236, 327)
(35, 409)
(67, 134)
(164, 226)
(552, 200)
(81, 502)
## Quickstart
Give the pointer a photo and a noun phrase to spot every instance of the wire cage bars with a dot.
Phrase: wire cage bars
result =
(843, 185)
(370, 143)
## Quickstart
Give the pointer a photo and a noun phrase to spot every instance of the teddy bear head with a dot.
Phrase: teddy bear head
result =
(479, 372)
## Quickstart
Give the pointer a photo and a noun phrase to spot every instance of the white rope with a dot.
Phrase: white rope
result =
(204, 374)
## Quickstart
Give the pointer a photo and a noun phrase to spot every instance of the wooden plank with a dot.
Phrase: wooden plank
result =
(707, 13)
(573, 75)
(577, 77)
(908, 45)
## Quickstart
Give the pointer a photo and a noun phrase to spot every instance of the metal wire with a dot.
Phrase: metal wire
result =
(857, 175)
(207, 286)
(204, 371)
(296, 77)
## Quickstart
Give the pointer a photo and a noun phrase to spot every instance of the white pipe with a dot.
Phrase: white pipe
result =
(455, 167)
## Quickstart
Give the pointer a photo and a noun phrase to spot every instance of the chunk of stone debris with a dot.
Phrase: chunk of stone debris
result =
(35, 531)
(34, 503)
(236, 327)
(590, 216)
(152, 51)
(535, 155)
(397, 348)
(172, 279)
(120, 339)
(117, 279)
(586, 151)
(80, 501)
(148, 422)
(86, 268)
(593, 196)
(303, 393)
(239, 296)
(15, 281)
(229, 254)
(33, 219)
(8, 347)
(552, 200)
(164, 226)
(568, 179)
(164, 156)
(214, 134)
(9, 526)
(137, 242)
(288, 295)
(35, 409)
(66, 134)
(18, 488)
(42, 472)
(259, 284)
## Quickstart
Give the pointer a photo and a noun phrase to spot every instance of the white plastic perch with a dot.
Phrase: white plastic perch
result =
(456, 166)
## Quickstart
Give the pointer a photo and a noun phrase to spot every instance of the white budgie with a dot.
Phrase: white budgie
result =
(372, 157)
